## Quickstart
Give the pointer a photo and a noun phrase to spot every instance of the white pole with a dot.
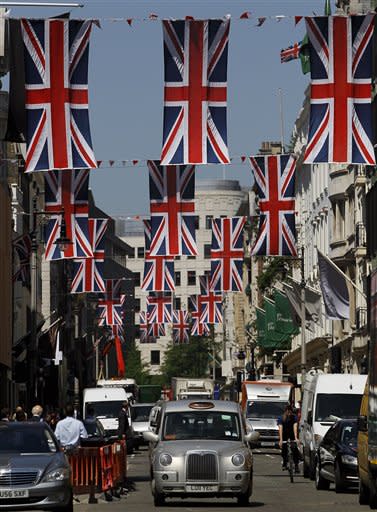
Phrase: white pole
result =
(281, 119)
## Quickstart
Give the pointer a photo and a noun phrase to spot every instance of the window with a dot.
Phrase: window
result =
(209, 221)
(191, 277)
(207, 251)
(196, 221)
(132, 253)
(177, 278)
(137, 278)
(177, 302)
(137, 305)
(155, 357)
(140, 252)
(191, 257)
(137, 331)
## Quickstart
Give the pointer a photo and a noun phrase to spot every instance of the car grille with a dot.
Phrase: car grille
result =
(268, 432)
(202, 466)
(14, 478)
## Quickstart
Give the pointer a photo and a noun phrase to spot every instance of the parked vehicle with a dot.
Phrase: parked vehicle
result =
(34, 472)
(327, 398)
(140, 421)
(96, 434)
(149, 393)
(200, 448)
(129, 386)
(190, 388)
(262, 403)
(336, 459)
(106, 402)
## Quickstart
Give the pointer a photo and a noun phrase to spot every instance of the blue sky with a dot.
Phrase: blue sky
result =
(126, 86)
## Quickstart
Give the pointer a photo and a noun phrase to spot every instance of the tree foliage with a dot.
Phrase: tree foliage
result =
(277, 268)
(135, 368)
(189, 360)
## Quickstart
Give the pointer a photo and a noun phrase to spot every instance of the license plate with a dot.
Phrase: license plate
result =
(267, 443)
(201, 488)
(13, 493)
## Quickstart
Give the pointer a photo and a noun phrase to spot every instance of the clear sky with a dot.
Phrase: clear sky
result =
(126, 85)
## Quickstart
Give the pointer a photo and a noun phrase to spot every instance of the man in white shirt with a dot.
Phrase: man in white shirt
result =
(70, 430)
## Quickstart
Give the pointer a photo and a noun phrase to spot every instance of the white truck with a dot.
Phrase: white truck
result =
(191, 388)
(262, 403)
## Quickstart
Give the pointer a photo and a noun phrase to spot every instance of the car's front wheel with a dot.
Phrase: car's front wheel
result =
(321, 484)
(68, 507)
(243, 499)
(158, 499)
(339, 481)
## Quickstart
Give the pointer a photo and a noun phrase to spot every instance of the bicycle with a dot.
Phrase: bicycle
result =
(290, 463)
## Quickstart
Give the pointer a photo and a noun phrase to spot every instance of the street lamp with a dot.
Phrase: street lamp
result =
(63, 242)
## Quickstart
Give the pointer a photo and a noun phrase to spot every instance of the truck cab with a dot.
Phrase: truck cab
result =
(262, 403)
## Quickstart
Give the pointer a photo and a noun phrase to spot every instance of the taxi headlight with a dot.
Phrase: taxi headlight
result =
(165, 459)
(57, 475)
(238, 459)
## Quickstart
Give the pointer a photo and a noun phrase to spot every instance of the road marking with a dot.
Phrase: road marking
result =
(270, 456)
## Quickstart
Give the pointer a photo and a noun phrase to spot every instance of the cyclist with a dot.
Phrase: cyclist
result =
(288, 429)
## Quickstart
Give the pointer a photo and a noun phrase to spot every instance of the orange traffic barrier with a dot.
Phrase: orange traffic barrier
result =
(119, 462)
(106, 459)
(86, 470)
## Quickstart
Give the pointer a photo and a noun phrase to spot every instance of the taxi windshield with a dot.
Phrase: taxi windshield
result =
(201, 424)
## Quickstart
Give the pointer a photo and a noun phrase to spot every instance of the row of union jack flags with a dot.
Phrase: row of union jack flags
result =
(56, 53)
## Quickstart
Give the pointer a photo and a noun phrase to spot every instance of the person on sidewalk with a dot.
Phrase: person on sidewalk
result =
(124, 429)
(70, 431)
(36, 413)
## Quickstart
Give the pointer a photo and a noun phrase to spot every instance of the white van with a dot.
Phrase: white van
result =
(326, 398)
(107, 403)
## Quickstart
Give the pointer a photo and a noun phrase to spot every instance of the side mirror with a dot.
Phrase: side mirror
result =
(362, 424)
(252, 437)
(310, 417)
(151, 437)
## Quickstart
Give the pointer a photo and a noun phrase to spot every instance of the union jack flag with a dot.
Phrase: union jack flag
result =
(56, 75)
(275, 181)
(227, 254)
(340, 126)
(198, 328)
(290, 53)
(158, 270)
(156, 330)
(172, 206)
(181, 327)
(88, 272)
(145, 336)
(211, 311)
(22, 246)
(110, 305)
(66, 193)
(196, 58)
(159, 308)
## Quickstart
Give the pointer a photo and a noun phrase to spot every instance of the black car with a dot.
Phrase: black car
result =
(96, 434)
(336, 459)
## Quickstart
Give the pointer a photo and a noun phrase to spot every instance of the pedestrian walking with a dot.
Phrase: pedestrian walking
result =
(36, 413)
(124, 429)
(70, 430)
(5, 414)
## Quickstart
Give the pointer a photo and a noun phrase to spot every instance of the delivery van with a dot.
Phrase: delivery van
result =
(327, 397)
(262, 403)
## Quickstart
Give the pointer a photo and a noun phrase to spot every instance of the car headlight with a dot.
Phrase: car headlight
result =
(57, 475)
(349, 459)
(165, 459)
(238, 459)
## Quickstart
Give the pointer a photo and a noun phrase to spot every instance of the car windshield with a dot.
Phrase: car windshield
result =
(26, 440)
(348, 435)
(331, 407)
(265, 409)
(201, 425)
(141, 413)
(108, 409)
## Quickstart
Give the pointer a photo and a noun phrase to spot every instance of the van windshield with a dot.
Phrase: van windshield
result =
(330, 407)
(108, 409)
(265, 409)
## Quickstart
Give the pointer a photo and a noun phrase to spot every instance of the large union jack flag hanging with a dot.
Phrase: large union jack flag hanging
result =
(340, 126)
(22, 247)
(172, 206)
(66, 192)
(56, 75)
(147, 330)
(88, 272)
(158, 270)
(211, 311)
(159, 308)
(181, 327)
(196, 58)
(110, 304)
(227, 254)
(275, 181)
(198, 328)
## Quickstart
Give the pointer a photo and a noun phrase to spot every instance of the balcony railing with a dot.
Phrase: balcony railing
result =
(361, 318)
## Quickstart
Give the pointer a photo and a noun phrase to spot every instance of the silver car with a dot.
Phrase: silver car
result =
(140, 421)
(34, 473)
(200, 448)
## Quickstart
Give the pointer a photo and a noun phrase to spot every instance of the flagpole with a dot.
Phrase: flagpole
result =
(349, 280)
(303, 318)
(280, 92)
